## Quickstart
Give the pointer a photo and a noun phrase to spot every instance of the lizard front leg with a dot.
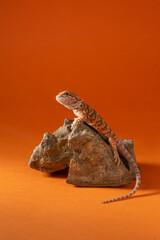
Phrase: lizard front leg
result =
(81, 118)
(113, 142)
(76, 120)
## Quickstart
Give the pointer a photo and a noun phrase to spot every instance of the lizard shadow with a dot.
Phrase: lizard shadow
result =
(150, 180)
(150, 176)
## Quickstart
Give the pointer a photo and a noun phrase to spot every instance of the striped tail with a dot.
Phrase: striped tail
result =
(132, 162)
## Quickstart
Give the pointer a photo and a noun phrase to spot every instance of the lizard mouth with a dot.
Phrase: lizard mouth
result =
(58, 98)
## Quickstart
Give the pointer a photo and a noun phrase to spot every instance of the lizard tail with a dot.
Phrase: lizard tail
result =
(133, 163)
(138, 181)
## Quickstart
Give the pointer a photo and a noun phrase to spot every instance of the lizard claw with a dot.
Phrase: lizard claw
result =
(73, 124)
(117, 158)
(76, 120)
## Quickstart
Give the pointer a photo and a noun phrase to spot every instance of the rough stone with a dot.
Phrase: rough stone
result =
(53, 153)
(88, 156)
(92, 163)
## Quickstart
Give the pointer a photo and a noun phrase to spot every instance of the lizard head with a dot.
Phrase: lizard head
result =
(69, 100)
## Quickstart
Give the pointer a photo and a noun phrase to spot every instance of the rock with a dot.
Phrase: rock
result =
(92, 163)
(53, 153)
(88, 156)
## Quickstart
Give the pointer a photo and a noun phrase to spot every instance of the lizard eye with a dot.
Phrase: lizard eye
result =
(66, 93)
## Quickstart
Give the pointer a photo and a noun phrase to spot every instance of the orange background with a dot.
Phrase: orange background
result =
(108, 52)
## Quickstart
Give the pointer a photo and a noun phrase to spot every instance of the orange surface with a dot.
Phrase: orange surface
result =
(108, 52)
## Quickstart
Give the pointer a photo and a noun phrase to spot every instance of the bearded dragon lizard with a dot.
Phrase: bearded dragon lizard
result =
(85, 113)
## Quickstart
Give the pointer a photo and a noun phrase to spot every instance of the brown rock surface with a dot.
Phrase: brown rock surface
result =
(92, 163)
(89, 157)
(53, 153)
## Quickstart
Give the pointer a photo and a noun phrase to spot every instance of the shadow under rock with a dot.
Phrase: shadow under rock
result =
(59, 174)
(150, 174)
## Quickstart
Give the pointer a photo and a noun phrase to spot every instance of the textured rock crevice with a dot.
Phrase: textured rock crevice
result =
(88, 156)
